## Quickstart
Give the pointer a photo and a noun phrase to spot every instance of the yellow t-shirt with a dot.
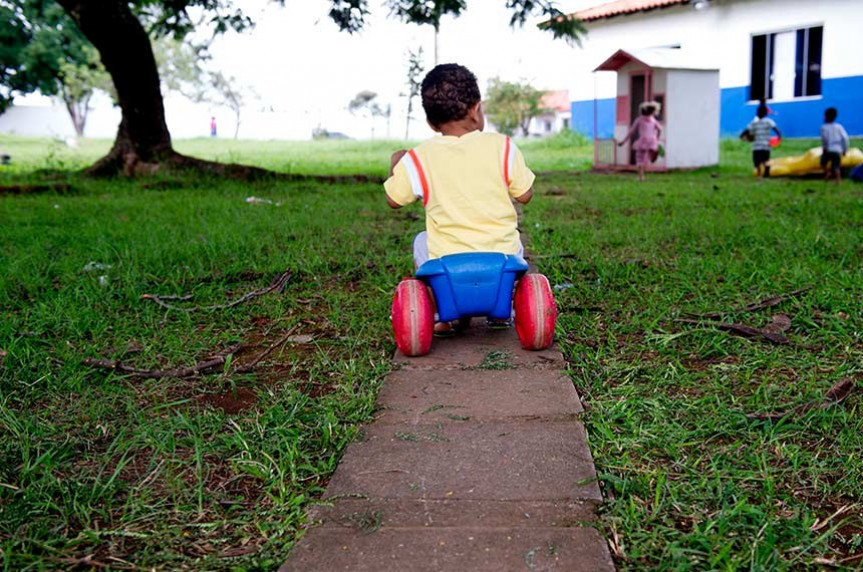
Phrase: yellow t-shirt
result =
(465, 184)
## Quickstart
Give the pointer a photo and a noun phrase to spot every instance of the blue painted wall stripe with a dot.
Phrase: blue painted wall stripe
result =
(801, 118)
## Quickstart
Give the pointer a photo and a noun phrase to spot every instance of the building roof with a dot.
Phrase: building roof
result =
(557, 100)
(656, 58)
(624, 7)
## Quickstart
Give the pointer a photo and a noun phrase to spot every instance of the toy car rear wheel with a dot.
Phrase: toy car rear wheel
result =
(535, 312)
(412, 318)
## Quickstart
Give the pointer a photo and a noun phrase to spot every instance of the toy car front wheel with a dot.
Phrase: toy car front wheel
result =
(413, 318)
(535, 312)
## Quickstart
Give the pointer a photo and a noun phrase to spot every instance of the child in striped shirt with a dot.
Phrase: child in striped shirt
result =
(834, 144)
(758, 131)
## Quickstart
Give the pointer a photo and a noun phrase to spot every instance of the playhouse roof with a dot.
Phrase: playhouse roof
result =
(624, 7)
(656, 58)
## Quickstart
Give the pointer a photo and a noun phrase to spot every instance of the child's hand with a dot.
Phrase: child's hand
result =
(395, 158)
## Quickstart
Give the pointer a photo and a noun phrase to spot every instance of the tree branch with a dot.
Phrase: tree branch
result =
(760, 305)
(213, 361)
(252, 364)
(277, 284)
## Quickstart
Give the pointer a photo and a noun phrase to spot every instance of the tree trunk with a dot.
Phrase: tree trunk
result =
(142, 138)
(78, 110)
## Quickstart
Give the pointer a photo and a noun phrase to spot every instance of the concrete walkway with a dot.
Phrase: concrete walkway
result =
(476, 461)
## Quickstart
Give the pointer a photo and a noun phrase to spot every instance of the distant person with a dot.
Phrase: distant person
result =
(648, 129)
(834, 144)
(212, 126)
(464, 177)
(758, 132)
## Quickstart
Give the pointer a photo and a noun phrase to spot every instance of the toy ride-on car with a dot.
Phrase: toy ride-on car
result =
(469, 285)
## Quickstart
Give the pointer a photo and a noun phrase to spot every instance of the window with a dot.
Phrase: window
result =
(786, 65)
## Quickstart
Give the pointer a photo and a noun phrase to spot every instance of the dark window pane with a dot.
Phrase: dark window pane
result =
(813, 73)
(771, 51)
(800, 59)
(758, 77)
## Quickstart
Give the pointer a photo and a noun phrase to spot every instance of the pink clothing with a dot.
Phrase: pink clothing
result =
(648, 130)
(642, 156)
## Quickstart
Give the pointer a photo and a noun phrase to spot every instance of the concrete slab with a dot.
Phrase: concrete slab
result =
(389, 513)
(472, 349)
(448, 549)
(476, 461)
(415, 397)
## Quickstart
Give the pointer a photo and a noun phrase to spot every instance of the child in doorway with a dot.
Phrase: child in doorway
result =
(464, 177)
(834, 144)
(648, 130)
(758, 132)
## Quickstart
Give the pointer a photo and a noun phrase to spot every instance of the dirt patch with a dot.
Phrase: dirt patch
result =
(231, 401)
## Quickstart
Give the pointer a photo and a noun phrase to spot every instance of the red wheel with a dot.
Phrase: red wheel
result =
(413, 318)
(535, 312)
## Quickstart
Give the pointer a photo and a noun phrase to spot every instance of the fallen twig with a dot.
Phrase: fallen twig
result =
(760, 305)
(835, 395)
(819, 524)
(742, 329)
(213, 361)
(277, 284)
(252, 364)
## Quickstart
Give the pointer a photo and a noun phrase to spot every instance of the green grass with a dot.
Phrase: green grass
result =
(691, 481)
(215, 471)
(171, 473)
(327, 157)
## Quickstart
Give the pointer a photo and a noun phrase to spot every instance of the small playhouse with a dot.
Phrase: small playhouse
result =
(687, 90)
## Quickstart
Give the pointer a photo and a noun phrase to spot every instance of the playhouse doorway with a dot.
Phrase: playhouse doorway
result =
(637, 96)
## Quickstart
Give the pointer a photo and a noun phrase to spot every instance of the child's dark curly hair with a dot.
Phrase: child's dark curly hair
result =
(448, 91)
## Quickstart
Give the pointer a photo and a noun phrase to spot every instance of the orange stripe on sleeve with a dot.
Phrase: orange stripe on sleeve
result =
(422, 174)
(506, 163)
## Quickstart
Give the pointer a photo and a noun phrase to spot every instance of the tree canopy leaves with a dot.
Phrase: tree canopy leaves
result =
(510, 106)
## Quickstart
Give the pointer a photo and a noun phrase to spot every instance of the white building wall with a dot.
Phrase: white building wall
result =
(692, 119)
(721, 35)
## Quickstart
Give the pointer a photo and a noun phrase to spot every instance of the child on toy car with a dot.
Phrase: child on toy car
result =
(464, 177)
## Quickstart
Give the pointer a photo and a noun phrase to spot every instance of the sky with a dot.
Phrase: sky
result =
(300, 72)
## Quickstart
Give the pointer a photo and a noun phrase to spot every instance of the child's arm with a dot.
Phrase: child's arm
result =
(846, 142)
(525, 197)
(778, 133)
(395, 158)
(629, 134)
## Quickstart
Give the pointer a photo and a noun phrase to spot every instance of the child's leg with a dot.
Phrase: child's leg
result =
(421, 256)
(642, 156)
(421, 249)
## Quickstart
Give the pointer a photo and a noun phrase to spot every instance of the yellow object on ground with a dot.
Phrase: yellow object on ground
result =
(809, 163)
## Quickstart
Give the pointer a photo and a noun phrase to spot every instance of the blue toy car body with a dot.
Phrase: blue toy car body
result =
(473, 284)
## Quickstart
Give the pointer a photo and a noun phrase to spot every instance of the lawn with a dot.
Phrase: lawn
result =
(699, 466)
